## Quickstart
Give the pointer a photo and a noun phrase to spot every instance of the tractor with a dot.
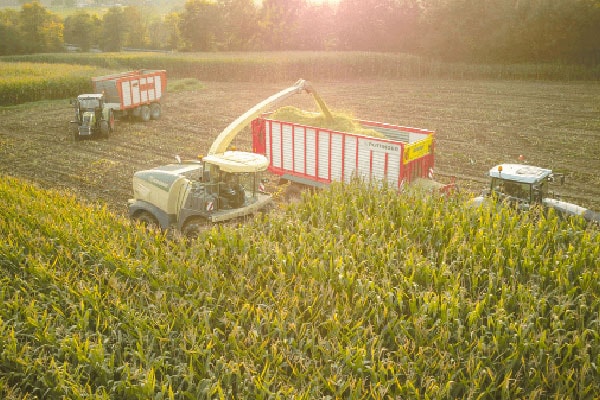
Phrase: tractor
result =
(92, 117)
(525, 186)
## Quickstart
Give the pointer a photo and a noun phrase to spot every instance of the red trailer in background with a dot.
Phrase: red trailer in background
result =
(136, 93)
(316, 157)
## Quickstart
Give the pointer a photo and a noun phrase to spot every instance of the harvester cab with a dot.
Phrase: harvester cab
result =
(524, 186)
(92, 117)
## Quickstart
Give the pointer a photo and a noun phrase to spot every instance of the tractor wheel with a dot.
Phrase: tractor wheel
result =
(104, 129)
(111, 121)
(194, 226)
(75, 133)
(147, 220)
(155, 110)
(145, 113)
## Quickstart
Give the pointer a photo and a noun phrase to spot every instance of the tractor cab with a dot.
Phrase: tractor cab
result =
(519, 184)
(88, 108)
(90, 102)
(524, 186)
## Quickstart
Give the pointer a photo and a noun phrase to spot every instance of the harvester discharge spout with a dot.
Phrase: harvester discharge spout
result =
(224, 139)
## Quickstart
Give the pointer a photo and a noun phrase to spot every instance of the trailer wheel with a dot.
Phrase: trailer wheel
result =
(111, 120)
(145, 113)
(194, 226)
(155, 110)
(104, 128)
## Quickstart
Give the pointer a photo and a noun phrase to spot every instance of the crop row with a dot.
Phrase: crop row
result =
(354, 292)
(40, 78)
(286, 66)
(27, 82)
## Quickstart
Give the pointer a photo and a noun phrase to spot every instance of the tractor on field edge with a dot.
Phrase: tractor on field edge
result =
(525, 186)
(92, 116)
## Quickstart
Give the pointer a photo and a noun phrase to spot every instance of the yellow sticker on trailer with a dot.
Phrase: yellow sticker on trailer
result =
(418, 149)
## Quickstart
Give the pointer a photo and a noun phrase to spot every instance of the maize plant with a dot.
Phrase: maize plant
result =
(27, 82)
(354, 292)
(315, 66)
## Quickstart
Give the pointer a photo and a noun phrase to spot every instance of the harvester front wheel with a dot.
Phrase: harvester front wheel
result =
(147, 220)
(155, 110)
(145, 113)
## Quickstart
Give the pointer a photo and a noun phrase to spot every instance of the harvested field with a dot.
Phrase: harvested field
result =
(477, 124)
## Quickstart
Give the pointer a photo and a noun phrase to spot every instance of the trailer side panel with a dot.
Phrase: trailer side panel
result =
(321, 156)
(132, 89)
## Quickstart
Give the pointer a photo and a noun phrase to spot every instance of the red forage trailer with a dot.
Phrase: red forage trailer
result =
(136, 93)
(317, 157)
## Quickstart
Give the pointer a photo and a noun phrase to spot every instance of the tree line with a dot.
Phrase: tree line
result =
(481, 31)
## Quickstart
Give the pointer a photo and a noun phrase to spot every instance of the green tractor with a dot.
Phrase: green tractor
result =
(92, 117)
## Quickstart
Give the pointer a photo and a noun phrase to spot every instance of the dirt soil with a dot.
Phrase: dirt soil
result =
(477, 124)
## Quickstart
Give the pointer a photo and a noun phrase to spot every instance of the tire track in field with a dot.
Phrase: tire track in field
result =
(477, 124)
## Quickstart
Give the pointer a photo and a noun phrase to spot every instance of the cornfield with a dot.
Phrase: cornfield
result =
(316, 66)
(37, 77)
(354, 292)
(27, 82)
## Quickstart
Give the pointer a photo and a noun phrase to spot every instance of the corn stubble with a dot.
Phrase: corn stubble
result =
(353, 292)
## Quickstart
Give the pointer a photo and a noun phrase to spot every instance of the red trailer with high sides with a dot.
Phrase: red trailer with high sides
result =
(136, 93)
(316, 157)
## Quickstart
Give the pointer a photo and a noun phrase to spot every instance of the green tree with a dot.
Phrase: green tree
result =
(315, 28)
(171, 23)
(562, 30)
(53, 31)
(114, 28)
(40, 30)
(199, 25)
(279, 24)
(506, 31)
(401, 22)
(83, 30)
(158, 35)
(240, 19)
(588, 44)
(136, 32)
(375, 25)
(9, 30)
(352, 27)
